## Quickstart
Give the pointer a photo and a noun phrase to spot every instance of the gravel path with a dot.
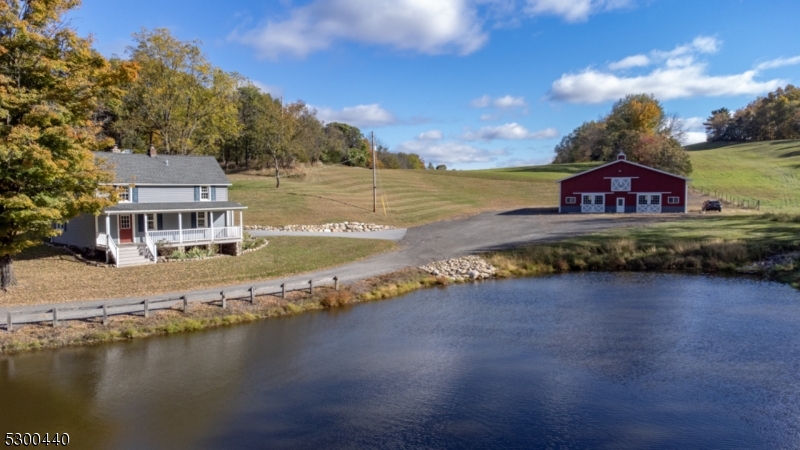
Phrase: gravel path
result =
(453, 238)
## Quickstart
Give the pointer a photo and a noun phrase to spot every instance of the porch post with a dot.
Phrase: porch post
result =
(211, 213)
(108, 234)
(241, 225)
(95, 233)
(180, 228)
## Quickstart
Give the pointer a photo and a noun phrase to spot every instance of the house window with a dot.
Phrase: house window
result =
(125, 195)
(205, 193)
(151, 222)
(570, 200)
(201, 219)
(655, 199)
(673, 200)
(598, 199)
(620, 184)
(125, 222)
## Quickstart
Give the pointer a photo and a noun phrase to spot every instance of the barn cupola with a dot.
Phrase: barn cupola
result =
(621, 156)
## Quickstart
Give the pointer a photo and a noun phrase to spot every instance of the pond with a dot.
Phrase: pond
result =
(580, 360)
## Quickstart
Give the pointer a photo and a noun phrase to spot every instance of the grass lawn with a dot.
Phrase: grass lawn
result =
(405, 197)
(711, 244)
(767, 171)
(48, 275)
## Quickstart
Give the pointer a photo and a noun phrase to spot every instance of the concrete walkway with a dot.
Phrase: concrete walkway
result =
(441, 240)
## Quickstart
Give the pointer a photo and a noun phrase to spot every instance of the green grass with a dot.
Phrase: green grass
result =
(767, 171)
(406, 197)
(48, 275)
(718, 244)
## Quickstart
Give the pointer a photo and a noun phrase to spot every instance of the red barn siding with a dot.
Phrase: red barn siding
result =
(643, 180)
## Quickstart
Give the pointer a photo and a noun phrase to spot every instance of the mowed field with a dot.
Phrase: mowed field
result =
(405, 197)
(767, 171)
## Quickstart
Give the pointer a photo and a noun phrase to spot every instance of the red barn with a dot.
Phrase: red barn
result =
(622, 186)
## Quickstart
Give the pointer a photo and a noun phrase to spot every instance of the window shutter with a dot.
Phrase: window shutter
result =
(197, 193)
(194, 219)
(140, 222)
(135, 195)
(160, 219)
(65, 226)
(213, 193)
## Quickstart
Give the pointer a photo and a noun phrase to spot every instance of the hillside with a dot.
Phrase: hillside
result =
(406, 197)
(767, 171)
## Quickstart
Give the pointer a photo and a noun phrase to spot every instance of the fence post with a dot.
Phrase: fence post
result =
(55, 317)
(336, 283)
(252, 295)
(224, 301)
(146, 308)
(283, 290)
(105, 315)
(9, 323)
(311, 287)
(185, 303)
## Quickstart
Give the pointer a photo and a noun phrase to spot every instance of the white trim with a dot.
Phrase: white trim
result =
(208, 193)
(611, 178)
(205, 219)
(623, 161)
(143, 211)
(559, 198)
(164, 184)
(676, 197)
(686, 198)
(130, 196)
(623, 184)
(571, 197)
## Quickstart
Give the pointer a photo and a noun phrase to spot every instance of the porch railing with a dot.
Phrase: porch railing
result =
(195, 235)
(151, 247)
(111, 247)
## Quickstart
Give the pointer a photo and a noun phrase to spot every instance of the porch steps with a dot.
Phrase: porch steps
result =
(133, 255)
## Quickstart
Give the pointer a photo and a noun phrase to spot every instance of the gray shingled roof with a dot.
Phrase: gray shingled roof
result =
(183, 206)
(165, 169)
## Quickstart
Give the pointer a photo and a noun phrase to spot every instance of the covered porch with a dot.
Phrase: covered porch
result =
(168, 225)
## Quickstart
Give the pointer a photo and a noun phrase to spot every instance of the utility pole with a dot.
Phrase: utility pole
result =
(374, 176)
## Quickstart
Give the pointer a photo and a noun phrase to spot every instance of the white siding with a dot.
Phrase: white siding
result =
(219, 219)
(80, 232)
(222, 193)
(166, 194)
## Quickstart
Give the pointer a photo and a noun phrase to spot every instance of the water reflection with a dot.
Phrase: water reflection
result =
(583, 360)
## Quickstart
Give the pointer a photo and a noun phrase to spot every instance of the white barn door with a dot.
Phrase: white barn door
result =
(648, 203)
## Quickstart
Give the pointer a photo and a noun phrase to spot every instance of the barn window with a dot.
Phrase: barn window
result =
(642, 199)
(655, 199)
(620, 184)
(673, 200)
(570, 200)
(587, 199)
(598, 199)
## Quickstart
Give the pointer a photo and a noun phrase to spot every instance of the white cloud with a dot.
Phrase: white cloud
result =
(431, 27)
(678, 76)
(449, 152)
(573, 10)
(779, 62)
(432, 135)
(694, 137)
(371, 115)
(630, 61)
(694, 123)
(274, 91)
(481, 102)
(505, 102)
(509, 131)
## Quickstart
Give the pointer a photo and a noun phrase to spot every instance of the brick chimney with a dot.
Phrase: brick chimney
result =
(152, 151)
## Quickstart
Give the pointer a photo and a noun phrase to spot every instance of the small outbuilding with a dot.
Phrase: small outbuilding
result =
(623, 186)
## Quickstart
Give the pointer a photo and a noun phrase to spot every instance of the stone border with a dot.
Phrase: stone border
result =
(462, 269)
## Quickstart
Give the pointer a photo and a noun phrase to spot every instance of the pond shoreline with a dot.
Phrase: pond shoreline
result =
(201, 317)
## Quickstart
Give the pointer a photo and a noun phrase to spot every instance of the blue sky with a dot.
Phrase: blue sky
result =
(479, 83)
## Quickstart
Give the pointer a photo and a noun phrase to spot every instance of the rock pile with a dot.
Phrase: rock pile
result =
(461, 269)
(342, 227)
(769, 263)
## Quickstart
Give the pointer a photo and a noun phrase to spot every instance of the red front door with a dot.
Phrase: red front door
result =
(125, 229)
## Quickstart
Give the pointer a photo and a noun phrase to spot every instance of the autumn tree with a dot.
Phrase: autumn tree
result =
(50, 82)
(774, 116)
(187, 104)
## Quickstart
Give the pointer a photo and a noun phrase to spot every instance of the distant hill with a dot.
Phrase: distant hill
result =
(767, 170)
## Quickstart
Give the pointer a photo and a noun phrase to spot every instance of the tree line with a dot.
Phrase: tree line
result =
(637, 125)
(182, 104)
(774, 116)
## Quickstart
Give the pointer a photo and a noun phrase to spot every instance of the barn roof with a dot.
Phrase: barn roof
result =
(627, 162)
(164, 169)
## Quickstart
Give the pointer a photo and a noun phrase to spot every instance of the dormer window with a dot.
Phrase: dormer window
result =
(205, 193)
(125, 195)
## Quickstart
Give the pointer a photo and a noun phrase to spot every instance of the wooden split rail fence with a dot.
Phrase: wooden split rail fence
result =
(740, 202)
(105, 309)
